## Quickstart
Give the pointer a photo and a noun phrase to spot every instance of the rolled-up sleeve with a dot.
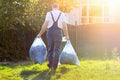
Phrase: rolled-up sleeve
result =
(47, 17)
(63, 17)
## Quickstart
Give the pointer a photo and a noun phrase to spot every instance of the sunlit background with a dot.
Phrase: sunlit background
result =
(95, 11)
(93, 26)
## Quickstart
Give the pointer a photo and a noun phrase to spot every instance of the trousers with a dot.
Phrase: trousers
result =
(54, 39)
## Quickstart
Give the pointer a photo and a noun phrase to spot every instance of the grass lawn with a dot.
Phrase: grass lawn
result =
(88, 70)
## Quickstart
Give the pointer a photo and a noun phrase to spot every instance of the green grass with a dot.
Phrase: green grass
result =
(88, 70)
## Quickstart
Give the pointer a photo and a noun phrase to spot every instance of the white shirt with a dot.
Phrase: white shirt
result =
(55, 15)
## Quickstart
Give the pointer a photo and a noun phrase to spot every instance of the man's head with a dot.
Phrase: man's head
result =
(55, 6)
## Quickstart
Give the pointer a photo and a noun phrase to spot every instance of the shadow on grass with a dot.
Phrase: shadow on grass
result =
(64, 70)
(44, 75)
(26, 74)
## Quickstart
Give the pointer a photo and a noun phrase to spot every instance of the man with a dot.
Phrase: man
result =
(55, 23)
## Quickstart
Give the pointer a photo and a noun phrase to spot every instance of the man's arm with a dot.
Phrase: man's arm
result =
(65, 30)
(44, 26)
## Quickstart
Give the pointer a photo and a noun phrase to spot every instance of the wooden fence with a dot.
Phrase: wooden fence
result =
(95, 40)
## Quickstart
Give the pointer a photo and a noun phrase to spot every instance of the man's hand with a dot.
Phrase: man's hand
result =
(67, 37)
(38, 36)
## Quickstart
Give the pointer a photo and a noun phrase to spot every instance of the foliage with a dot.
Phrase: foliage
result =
(67, 5)
(30, 12)
(88, 70)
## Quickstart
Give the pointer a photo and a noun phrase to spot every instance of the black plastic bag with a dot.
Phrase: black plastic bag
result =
(38, 51)
(68, 55)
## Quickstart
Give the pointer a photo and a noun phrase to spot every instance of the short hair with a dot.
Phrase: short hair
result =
(55, 5)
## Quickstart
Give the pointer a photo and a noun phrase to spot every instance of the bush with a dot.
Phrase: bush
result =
(15, 43)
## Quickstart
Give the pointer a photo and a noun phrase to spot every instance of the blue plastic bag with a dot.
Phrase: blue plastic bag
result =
(38, 51)
(68, 55)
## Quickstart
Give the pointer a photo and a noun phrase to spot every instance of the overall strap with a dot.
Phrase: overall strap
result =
(53, 17)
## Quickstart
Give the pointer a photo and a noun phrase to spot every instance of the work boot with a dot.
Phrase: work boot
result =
(49, 66)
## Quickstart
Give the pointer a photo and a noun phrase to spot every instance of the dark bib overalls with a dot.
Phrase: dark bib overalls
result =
(54, 38)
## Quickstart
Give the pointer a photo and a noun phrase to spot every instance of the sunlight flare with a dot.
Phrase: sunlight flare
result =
(114, 7)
